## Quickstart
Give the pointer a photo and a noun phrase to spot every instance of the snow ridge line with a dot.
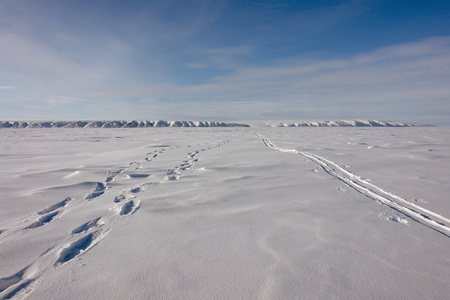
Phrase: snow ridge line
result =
(409, 209)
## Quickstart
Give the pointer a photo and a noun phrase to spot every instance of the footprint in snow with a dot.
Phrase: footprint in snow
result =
(17, 285)
(43, 220)
(88, 225)
(136, 190)
(6, 282)
(112, 175)
(100, 188)
(22, 289)
(55, 206)
(129, 208)
(79, 246)
(138, 175)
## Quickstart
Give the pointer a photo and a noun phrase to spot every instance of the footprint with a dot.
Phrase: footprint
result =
(88, 225)
(43, 220)
(6, 282)
(173, 177)
(80, 246)
(173, 174)
(138, 165)
(138, 175)
(129, 208)
(22, 286)
(55, 206)
(154, 154)
(112, 175)
(22, 289)
(99, 190)
(126, 196)
(136, 190)
(120, 198)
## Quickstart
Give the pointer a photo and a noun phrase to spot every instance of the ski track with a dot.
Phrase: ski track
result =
(84, 237)
(409, 209)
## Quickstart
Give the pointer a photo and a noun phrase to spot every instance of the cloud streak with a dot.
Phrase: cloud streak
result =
(191, 61)
(386, 82)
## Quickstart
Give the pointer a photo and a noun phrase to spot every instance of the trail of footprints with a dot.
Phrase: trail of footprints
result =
(90, 233)
(191, 158)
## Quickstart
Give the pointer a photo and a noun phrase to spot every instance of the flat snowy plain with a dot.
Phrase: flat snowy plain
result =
(225, 213)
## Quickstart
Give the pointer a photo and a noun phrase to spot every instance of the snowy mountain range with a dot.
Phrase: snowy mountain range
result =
(162, 123)
(348, 123)
(115, 124)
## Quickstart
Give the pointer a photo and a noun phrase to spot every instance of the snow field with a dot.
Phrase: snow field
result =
(225, 213)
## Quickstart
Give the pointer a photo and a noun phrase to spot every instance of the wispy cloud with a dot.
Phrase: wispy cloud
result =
(155, 62)
(386, 82)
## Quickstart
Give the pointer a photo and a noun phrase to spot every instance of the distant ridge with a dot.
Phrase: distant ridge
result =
(348, 123)
(115, 124)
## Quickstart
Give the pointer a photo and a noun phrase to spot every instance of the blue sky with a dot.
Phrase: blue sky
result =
(225, 60)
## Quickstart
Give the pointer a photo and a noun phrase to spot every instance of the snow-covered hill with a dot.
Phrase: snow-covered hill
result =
(348, 123)
(162, 123)
(114, 124)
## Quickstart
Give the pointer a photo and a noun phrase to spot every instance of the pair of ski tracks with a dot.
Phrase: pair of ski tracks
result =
(408, 209)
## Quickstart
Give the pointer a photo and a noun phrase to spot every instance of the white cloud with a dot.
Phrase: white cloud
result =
(396, 81)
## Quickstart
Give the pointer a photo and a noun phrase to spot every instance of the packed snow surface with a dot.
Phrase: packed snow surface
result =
(225, 213)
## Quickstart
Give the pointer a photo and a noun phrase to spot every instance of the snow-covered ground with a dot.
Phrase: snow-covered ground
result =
(225, 213)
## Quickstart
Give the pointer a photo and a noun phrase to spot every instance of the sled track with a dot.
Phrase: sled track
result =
(410, 210)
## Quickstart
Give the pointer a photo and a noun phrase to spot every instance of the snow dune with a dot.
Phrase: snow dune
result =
(225, 213)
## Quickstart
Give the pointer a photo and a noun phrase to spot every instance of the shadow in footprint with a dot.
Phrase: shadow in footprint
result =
(120, 198)
(112, 175)
(136, 190)
(80, 246)
(138, 175)
(6, 282)
(99, 190)
(55, 206)
(129, 208)
(22, 289)
(43, 220)
(88, 225)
